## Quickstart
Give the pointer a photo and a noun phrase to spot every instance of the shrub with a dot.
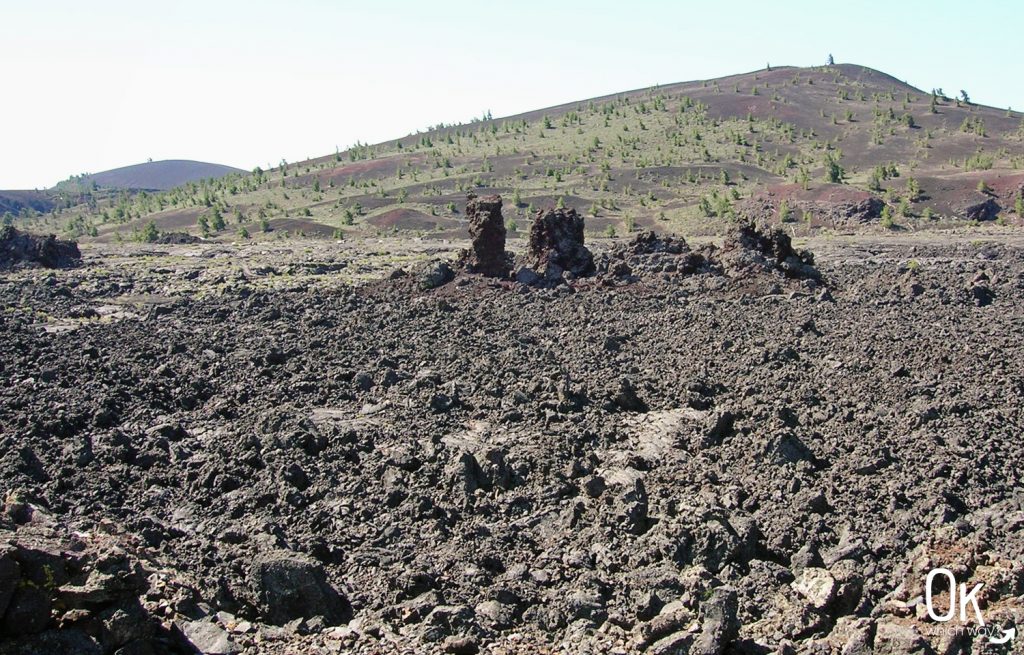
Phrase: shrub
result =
(785, 213)
(887, 221)
(913, 189)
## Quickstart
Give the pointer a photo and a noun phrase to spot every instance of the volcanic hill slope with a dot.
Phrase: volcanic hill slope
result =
(92, 189)
(682, 157)
(151, 176)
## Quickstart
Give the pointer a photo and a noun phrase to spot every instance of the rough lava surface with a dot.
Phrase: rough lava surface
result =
(19, 249)
(741, 459)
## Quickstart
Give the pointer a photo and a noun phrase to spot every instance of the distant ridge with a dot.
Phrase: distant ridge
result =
(152, 176)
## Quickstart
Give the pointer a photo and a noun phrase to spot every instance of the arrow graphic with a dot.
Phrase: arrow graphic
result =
(1008, 635)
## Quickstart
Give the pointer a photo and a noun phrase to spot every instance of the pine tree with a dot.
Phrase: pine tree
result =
(150, 233)
(887, 221)
(834, 173)
(217, 220)
(785, 213)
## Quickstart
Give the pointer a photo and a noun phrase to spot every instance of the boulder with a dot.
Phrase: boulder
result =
(981, 210)
(435, 274)
(899, 639)
(649, 254)
(10, 574)
(720, 626)
(288, 586)
(28, 611)
(816, 586)
(208, 638)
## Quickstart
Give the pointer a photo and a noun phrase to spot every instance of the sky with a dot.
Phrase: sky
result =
(90, 86)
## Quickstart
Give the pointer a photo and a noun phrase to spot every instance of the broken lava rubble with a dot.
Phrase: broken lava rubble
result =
(681, 467)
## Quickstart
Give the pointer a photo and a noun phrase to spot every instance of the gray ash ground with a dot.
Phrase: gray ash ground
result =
(684, 464)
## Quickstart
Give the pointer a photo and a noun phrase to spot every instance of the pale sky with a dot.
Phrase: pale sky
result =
(89, 86)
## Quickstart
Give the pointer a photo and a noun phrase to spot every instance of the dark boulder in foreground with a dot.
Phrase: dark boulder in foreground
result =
(71, 593)
(486, 255)
(556, 246)
(19, 248)
(289, 586)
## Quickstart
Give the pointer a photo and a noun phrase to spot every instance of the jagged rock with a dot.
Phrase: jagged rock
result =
(625, 397)
(982, 210)
(633, 507)
(458, 645)
(840, 206)
(677, 643)
(486, 255)
(10, 574)
(209, 638)
(177, 238)
(527, 276)
(649, 254)
(28, 611)
(495, 614)
(435, 274)
(124, 624)
(673, 617)
(556, 245)
(22, 249)
(817, 586)
(899, 639)
(750, 250)
(289, 586)
(720, 626)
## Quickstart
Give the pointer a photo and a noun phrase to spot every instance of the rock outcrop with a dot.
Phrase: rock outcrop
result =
(651, 255)
(486, 255)
(750, 250)
(556, 248)
(19, 248)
